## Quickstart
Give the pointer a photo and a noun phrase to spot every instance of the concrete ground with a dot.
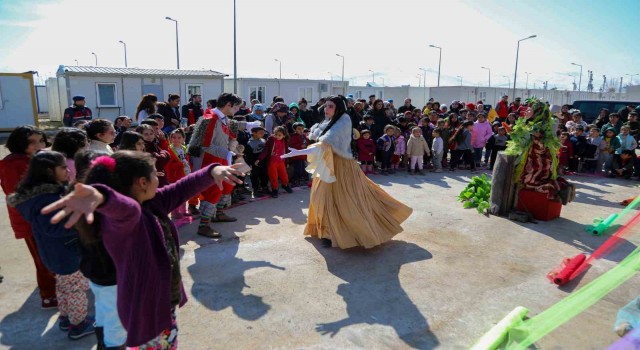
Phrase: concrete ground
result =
(442, 283)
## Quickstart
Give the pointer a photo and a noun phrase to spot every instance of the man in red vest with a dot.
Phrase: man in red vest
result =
(210, 144)
(502, 108)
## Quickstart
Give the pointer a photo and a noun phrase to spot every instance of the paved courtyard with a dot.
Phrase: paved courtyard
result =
(442, 283)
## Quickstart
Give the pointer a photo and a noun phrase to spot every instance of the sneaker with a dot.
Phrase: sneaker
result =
(288, 189)
(411, 172)
(208, 231)
(437, 171)
(83, 329)
(421, 172)
(64, 323)
(49, 303)
(274, 194)
(222, 217)
(193, 210)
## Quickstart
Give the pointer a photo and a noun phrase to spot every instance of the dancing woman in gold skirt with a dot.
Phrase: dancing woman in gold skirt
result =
(346, 209)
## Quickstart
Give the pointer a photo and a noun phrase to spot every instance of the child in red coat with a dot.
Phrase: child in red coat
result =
(566, 152)
(276, 169)
(366, 151)
(299, 141)
(179, 167)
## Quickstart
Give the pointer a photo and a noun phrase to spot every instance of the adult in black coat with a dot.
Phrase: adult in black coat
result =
(195, 104)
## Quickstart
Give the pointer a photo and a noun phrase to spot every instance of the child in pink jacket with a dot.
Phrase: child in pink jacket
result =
(400, 150)
(482, 131)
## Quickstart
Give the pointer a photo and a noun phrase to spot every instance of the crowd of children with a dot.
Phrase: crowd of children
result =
(147, 176)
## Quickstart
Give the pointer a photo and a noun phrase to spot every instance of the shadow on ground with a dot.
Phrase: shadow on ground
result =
(218, 279)
(26, 329)
(373, 292)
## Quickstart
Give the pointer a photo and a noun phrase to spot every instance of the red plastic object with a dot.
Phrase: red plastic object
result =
(538, 205)
(572, 266)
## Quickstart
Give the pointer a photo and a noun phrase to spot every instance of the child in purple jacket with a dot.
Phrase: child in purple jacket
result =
(141, 235)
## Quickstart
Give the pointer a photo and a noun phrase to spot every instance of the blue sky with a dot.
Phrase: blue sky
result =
(388, 37)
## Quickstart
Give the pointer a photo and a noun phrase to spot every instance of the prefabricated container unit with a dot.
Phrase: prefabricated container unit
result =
(18, 104)
(112, 92)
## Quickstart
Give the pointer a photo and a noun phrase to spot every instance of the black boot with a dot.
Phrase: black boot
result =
(100, 337)
(326, 243)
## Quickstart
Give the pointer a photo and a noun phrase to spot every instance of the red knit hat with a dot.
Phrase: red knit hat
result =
(471, 106)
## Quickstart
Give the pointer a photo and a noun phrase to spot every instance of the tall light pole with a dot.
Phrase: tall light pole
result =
(489, 69)
(277, 60)
(344, 85)
(508, 79)
(515, 75)
(458, 76)
(526, 85)
(177, 46)
(96, 56)
(579, 81)
(330, 75)
(235, 56)
(439, 61)
(419, 76)
(631, 77)
(424, 84)
(77, 64)
(373, 76)
(125, 52)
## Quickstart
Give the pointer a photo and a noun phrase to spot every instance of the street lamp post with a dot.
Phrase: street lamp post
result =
(458, 76)
(579, 81)
(96, 56)
(125, 52)
(177, 46)
(77, 64)
(489, 69)
(526, 85)
(439, 61)
(277, 60)
(235, 56)
(508, 79)
(419, 76)
(424, 84)
(373, 76)
(515, 75)
(330, 75)
(344, 85)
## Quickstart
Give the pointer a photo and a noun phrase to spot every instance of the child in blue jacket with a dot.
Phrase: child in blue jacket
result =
(58, 246)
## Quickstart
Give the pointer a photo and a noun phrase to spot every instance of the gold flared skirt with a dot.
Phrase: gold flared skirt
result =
(353, 210)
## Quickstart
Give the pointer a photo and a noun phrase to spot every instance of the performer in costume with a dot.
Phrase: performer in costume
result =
(209, 144)
(346, 209)
(534, 140)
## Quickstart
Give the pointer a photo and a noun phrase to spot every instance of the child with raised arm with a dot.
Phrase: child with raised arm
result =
(142, 235)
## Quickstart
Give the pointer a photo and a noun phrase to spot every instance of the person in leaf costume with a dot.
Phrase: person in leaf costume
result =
(535, 142)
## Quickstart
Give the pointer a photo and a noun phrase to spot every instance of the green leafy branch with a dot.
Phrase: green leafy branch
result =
(476, 194)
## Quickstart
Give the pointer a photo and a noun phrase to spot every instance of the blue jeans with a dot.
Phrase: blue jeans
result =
(107, 314)
(477, 155)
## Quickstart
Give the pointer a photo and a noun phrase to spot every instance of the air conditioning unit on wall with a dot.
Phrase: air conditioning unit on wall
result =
(324, 87)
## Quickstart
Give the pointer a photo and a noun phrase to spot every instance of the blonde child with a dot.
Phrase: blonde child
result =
(417, 147)
(400, 149)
